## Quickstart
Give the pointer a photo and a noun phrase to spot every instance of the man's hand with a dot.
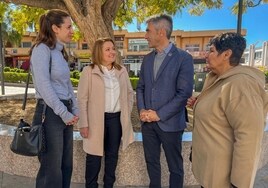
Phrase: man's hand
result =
(148, 116)
(152, 115)
(143, 114)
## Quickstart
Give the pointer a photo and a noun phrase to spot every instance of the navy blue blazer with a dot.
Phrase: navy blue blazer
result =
(167, 94)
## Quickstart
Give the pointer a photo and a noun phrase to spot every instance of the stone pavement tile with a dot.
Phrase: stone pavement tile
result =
(261, 184)
(10, 181)
(13, 181)
(261, 180)
(82, 186)
(77, 185)
(1, 178)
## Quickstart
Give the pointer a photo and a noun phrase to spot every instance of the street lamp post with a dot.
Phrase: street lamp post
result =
(239, 17)
(2, 62)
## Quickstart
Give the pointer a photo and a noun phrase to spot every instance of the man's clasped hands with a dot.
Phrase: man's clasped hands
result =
(148, 116)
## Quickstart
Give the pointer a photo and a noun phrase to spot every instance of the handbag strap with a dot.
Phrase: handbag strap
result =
(27, 84)
(44, 112)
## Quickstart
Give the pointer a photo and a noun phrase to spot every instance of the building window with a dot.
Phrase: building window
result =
(119, 44)
(192, 47)
(172, 39)
(137, 45)
(119, 38)
(84, 46)
(144, 47)
(258, 55)
(71, 45)
(14, 51)
(26, 44)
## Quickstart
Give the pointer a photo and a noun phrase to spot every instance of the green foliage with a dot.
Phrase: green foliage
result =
(75, 74)
(3, 9)
(17, 70)
(77, 34)
(134, 82)
(23, 77)
(11, 77)
(246, 4)
(24, 17)
(142, 9)
(7, 69)
(265, 71)
(15, 75)
(74, 82)
(8, 33)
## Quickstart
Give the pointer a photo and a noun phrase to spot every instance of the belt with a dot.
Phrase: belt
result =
(109, 115)
(66, 102)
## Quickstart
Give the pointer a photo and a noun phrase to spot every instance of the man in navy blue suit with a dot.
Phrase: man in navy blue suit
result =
(165, 84)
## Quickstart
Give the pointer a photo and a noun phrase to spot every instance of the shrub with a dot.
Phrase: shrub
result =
(265, 71)
(7, 69)
(20, 76)
(74, 82)
(71, 74)
(75, 74)
(134, 82)
(15, 77)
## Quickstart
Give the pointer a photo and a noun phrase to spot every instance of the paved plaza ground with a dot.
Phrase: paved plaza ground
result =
(9, 181)
(13, 181)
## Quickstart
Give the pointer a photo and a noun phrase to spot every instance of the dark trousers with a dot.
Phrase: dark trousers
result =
(153, 137)
(56, 163)
(112, 138)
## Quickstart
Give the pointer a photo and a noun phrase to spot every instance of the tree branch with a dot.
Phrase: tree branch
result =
(109, 10)
(78, 6)
(75, 8)
(251, 3)
(52, 4)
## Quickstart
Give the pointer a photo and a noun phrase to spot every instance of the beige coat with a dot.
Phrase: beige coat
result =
(229, 118)
(91, 102)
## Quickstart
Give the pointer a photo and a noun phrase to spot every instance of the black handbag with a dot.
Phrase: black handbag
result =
(29, 140)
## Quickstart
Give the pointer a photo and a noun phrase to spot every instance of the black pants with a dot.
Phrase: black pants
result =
(56, 163)
(112, 138)
(153, 137)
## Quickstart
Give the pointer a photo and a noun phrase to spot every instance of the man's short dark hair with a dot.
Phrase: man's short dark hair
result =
(163, 21)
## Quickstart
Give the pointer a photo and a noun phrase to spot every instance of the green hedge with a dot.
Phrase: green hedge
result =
(134, 82)
(74, 82)
(15, 75)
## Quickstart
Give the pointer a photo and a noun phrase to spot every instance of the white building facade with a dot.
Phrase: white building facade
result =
(257, 57)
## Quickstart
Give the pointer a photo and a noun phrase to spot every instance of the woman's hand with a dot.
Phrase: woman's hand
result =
(84, 132)
(73, 121)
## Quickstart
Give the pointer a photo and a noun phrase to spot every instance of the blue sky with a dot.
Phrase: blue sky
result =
(254, 21)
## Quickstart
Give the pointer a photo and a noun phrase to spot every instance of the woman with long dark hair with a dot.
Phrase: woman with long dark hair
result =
(51, 77)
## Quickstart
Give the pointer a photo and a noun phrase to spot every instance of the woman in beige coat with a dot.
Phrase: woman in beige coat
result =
(105, 99)
(229, 117)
